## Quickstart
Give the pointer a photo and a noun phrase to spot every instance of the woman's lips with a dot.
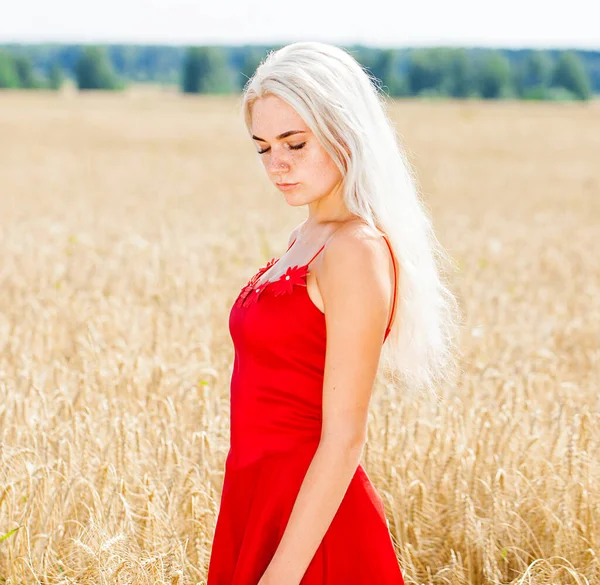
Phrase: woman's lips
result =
(286, 186)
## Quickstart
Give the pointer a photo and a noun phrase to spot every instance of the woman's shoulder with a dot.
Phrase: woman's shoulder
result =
(356, 248)
(353, 269)
(351, 233)
(294, 233)
(355, 233)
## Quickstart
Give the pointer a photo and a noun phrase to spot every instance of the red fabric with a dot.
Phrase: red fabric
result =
(279, 337)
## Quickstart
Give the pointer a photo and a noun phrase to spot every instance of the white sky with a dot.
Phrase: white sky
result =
(391, 23)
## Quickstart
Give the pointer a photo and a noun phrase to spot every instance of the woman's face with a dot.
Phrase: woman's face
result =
(290, 152)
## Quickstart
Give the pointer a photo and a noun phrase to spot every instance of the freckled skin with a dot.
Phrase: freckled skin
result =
(311, 166)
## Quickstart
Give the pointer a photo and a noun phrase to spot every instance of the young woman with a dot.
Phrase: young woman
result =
(297, 507)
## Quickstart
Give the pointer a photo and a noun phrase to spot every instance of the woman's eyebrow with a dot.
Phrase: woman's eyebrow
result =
(283, 135)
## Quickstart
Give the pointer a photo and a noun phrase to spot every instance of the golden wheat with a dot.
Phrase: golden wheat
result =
(128, 224)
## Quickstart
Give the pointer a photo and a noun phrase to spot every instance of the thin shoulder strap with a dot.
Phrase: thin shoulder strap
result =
(318, 252)
(321, 248)
(395, 279)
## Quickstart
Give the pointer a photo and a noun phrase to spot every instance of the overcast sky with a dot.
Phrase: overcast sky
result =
(391, 23)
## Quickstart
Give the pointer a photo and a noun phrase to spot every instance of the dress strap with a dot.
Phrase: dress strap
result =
(319, 251)
(395, 279)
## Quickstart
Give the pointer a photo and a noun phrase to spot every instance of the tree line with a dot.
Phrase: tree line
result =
(408, 72)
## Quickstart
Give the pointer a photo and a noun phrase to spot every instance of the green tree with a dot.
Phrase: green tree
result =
(250, 62)
(431, 72)
(537, 69)
(422, 73)
(193, 72)
(533, 75)
(94, 71)
(9, 78)
(25, 73)
(462, 74)
(55, 77)
(385, 66)
(495, 76)
(382, 67)
(570, 74)
(205, 70)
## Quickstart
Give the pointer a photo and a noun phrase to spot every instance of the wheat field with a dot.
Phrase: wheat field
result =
(128, 224)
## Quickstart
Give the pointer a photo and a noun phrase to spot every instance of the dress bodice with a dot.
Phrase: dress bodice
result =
(279, 337)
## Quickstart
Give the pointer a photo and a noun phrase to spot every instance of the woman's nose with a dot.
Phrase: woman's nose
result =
(277, 162)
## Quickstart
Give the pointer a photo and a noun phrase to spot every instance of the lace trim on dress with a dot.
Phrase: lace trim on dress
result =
(293, 276)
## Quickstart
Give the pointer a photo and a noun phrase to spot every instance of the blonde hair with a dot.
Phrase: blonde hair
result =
(341, 103)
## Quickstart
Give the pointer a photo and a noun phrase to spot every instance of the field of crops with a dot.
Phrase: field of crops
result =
(128, 224)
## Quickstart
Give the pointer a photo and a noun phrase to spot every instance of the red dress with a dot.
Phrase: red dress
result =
(276, 389)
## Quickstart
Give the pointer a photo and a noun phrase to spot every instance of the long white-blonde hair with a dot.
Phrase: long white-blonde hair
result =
(344, 107)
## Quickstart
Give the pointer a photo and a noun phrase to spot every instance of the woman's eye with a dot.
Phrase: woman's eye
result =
(292, 146)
